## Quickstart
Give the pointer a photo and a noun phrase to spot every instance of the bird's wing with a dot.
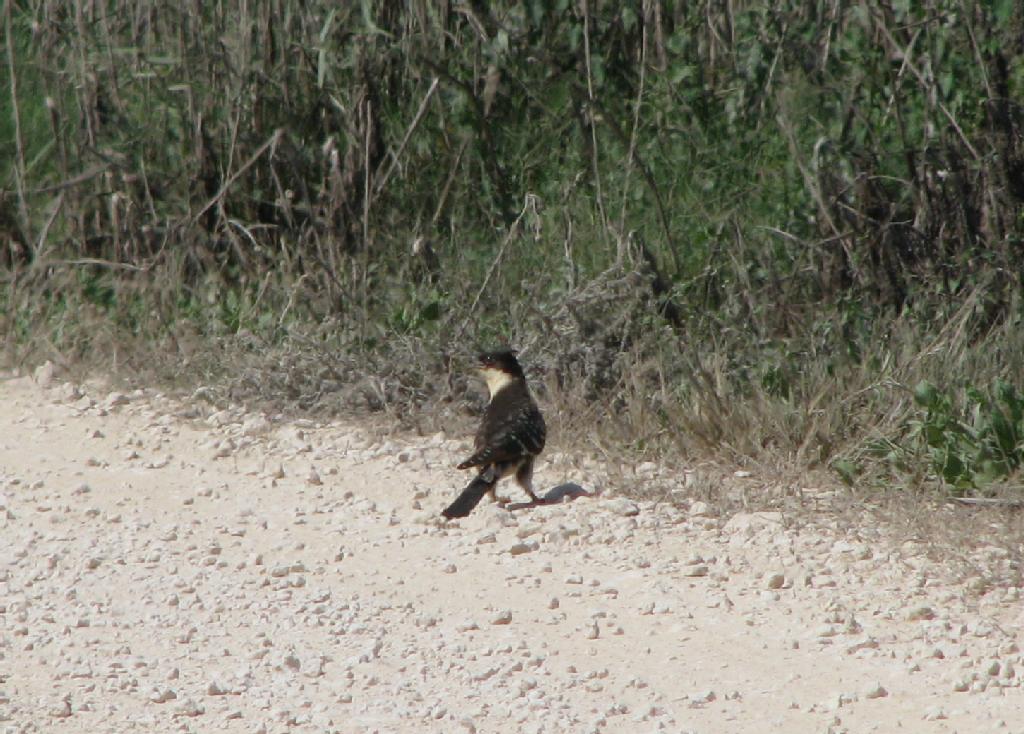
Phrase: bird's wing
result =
(507, 436)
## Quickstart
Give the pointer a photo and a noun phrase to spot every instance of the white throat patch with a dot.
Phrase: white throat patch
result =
(496, 379)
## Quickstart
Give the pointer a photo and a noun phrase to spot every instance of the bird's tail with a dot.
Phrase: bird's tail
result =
(471, 496)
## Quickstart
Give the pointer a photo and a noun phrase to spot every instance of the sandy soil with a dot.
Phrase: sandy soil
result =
(165, 567)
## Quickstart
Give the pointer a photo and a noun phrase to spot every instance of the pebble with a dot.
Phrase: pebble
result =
(623, 507)
(190, 708)
(255, 425)
(699, 509)
(115, 399)
(43, 374)
(518, 549)
(876, 691)
(162, 696)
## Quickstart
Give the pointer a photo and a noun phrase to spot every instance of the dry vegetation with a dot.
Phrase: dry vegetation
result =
(785, 237)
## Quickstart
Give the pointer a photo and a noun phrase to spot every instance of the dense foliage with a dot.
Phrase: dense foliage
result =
(747, 227)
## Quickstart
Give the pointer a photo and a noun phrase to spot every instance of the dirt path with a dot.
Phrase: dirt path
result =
(164, 569)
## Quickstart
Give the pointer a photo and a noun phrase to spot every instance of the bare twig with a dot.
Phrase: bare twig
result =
(593, 126)
(19, 142)
(368, 124)
(621, 248)
(930, 87)
(530, 204)
(74, 180)
(383, 180)
(997, 502)
(652, 184)
(271, 142)
(55, 207)
(101, 263)
(448, 182)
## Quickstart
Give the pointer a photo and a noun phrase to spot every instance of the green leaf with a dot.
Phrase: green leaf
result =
(846, 470)
(1002, 10)
(431, 312)
(925, 394)
(953, 468)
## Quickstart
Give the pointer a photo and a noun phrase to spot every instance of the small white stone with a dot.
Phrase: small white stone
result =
(162, 696)
(114, 399)
(699, 509)
(518, 549)
(623, 507)
(699, 699)
(876, 691)
(502, 617)
(255, 425)
(189, 708)
(313, 665)
(61, 709)
(44, 374)
(68, 393)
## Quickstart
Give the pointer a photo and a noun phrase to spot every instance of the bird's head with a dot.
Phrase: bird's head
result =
(499, 368)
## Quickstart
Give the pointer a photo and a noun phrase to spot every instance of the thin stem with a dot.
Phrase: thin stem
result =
(592, 121)
(19, 142)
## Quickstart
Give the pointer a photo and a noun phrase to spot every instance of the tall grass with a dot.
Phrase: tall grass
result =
(742, 231)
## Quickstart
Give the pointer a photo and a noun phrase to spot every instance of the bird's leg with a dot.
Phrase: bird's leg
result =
(492, 474)
(524, 477)
(502, 501)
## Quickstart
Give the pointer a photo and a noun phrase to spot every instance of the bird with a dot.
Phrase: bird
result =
(511, 434)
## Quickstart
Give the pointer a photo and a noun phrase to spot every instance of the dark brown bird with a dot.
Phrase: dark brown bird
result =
(510, 436)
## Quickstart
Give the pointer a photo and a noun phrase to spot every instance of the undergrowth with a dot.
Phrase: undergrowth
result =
(787, 237)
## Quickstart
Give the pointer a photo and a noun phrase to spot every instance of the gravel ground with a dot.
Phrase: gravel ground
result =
(165, 567)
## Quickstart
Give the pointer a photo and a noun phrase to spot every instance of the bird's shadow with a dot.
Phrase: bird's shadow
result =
(562, 493)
